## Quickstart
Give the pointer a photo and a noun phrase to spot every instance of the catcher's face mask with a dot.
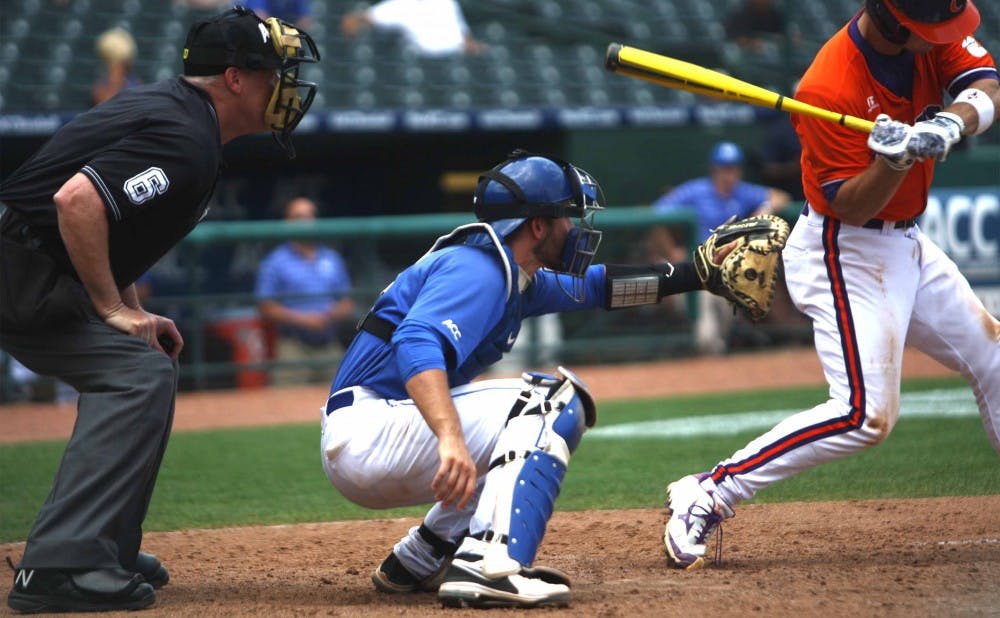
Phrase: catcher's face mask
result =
(527, 185)
(286, 107)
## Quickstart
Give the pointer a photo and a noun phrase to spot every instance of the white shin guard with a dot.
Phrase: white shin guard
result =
(527, 469)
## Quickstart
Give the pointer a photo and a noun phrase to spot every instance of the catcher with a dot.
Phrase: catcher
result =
(403, 424)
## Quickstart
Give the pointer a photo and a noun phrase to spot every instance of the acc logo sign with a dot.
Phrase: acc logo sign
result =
(146, 185)
(457, 334)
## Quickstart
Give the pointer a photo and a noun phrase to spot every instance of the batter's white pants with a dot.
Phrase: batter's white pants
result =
(868, 292)
(379, 453)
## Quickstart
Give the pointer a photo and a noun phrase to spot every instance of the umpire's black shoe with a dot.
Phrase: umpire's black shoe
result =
(152, 570)
(53, 590)
(392, 577)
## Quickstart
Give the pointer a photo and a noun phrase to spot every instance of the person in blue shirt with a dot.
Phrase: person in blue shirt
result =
(405, 424)
(303, 289)
(714, 199)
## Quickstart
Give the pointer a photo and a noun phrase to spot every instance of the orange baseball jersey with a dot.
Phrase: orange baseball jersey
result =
(849, 76)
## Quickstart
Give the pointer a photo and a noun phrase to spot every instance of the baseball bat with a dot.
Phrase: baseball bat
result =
(673, 73)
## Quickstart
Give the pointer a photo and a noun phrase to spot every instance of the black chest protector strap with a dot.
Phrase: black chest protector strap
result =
(380, 327)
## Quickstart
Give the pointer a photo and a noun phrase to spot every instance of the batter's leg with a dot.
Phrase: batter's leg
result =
(859, 295)
(952, 326)
(852, 283)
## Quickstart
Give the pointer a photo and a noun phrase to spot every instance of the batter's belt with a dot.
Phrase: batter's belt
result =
(877, 224)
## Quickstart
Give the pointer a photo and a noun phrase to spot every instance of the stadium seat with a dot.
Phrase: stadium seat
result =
(539, 52)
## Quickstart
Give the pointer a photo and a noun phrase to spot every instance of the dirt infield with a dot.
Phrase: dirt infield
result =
(886, 558)
(872, 558)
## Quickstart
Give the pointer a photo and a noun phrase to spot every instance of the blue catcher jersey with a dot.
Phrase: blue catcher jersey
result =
(453, 311)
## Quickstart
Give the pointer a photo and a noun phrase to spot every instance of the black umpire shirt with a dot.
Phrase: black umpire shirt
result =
(153, 153)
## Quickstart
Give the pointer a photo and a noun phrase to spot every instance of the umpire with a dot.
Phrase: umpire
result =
(92, 210)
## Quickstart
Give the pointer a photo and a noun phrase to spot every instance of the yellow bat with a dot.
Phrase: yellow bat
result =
(673, 73)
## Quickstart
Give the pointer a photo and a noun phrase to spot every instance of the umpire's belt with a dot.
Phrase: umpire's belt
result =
(877, 224)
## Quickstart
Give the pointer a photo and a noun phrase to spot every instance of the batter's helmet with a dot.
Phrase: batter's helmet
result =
(935, 21)
(528, 185)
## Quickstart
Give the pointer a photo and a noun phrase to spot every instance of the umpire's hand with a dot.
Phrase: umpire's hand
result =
(159, 332)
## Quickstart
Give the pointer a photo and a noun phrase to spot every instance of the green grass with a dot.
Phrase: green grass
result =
(273, 475)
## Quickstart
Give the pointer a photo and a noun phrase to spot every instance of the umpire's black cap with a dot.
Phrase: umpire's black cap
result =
(236, 38)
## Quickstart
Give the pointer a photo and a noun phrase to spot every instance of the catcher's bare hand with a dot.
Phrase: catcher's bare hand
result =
(456, 476)
(739, 262)
(721, 252)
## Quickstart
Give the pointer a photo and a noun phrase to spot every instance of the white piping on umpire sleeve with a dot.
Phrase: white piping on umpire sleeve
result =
(109, 199)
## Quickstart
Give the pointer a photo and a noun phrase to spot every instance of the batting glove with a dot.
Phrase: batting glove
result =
(889, 139)
(934, 138)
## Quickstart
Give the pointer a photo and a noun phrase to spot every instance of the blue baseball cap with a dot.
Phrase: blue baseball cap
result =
(726, 154)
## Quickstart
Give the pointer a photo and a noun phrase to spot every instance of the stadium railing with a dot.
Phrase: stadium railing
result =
(599, 336)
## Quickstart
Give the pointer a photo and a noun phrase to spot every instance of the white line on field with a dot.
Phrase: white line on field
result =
(955, 402)
(971, 542)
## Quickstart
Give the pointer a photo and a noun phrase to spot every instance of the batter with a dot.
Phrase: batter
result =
(856, 262)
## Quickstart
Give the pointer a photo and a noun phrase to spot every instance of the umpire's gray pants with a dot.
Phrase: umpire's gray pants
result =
(93, 516)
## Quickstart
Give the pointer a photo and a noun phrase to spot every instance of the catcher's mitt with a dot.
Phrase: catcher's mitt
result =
(746, 276)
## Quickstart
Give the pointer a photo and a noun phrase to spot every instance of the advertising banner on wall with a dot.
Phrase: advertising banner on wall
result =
(965, 223)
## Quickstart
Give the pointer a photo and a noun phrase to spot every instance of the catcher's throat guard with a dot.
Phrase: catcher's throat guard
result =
(543, 429)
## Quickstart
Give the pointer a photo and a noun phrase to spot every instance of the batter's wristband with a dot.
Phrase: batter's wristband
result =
(982, 103)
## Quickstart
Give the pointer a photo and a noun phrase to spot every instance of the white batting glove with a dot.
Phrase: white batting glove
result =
(934, 138)
(889, 139)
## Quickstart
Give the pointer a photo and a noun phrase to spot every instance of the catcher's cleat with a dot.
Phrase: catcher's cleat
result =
(465, 585)
(392, 577)
(695, 512)
(152, 570)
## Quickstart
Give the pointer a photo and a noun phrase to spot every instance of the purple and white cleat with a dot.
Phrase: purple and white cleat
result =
(695, 512)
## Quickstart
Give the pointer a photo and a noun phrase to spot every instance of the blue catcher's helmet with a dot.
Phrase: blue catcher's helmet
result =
(528, 185)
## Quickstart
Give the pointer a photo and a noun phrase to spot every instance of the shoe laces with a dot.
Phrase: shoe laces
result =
(712, 520)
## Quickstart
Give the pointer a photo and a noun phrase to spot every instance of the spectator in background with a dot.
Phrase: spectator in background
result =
(430, 27)
(302, 288)
(298, 12)
(754, 24)
(116, 49)
(713, 199)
